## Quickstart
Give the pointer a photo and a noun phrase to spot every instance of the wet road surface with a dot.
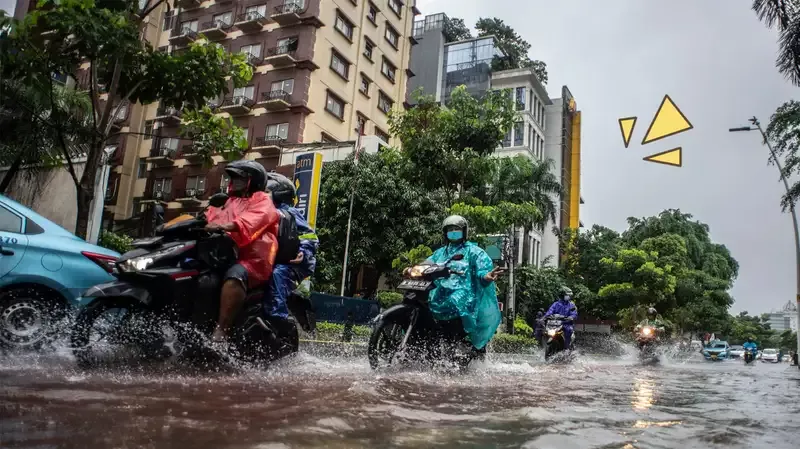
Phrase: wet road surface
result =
(319, 402)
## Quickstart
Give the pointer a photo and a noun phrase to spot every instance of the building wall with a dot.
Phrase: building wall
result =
(575, 174)
(427, 60)
(553, 150)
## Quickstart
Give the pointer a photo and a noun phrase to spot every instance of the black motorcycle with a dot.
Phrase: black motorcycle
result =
(554, 335)
(749, 356)
(646, 339)
(408, 332)
(168, 290)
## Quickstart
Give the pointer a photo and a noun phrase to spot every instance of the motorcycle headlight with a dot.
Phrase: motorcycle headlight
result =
(417, 271)
(647, 330)
(551, 332)
(143, 262)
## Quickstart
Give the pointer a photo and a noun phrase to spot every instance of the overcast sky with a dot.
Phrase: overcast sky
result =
(716, 61)
(8, 6)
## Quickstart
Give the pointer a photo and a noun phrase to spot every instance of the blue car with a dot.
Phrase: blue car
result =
(44, 270)
(717, 350)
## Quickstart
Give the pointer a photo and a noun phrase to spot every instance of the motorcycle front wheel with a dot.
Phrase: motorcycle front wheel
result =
(553, 348)
(384, 343)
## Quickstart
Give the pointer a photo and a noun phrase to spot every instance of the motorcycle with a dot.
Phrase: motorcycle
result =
(749, 356)
(169, 288)
(554, 335)
(408, 332)
(646, 337)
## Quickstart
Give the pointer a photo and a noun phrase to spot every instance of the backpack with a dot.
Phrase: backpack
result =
(288, 238)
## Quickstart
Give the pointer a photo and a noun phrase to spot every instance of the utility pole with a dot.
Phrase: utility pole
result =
(511, 254)
(350, 214)
(757, 125)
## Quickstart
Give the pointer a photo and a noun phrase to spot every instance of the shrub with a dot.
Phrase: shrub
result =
(388, 299)
(512, 343)
(522, 328)
(334, 331)
(116, 242)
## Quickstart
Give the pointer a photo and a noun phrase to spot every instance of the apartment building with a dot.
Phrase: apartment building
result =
(322, 71)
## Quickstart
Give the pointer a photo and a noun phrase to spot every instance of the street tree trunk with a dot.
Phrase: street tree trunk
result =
(11, 173)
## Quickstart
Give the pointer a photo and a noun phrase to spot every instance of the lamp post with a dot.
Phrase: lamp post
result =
(757, 127)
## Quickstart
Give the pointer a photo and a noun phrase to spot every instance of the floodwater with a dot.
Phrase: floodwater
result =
(337, 402)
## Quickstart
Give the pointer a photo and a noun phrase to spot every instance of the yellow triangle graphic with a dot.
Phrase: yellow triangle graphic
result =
(626, 127)
(668, 121)
(670, 157)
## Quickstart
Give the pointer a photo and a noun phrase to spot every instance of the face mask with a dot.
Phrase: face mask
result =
(567, 298)
(455, 236)
(238, 186)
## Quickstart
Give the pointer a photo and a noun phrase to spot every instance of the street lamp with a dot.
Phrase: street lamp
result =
(757, 127)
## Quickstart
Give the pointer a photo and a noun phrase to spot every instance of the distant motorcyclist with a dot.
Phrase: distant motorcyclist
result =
(538, 329)
(653, 320)
(750, 344)
(565, 307)
(251, 220)
(286, 276)
(469, 292)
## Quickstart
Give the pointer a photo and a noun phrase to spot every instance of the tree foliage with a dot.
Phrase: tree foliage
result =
(784, 133)
(513, 46)
(785, 15)
(455, 30)
(213, 134)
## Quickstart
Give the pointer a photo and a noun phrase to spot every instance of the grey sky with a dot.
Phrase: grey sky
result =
(716, 61)
(8, 6)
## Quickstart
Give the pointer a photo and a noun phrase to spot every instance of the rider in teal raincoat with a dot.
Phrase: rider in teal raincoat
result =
(469, 293)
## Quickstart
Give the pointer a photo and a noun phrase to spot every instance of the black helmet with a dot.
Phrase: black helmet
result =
(249, 169)
(456, 221)
(282, 188)
(652, 312)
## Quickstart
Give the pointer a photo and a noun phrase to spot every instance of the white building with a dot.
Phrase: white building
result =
(784, 319)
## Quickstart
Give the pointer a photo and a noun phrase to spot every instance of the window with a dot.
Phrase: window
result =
(169, 19)
(507, 139)
(247, 92)
(339, 65)
(395, 6)
(368, 46)
(164, 49)
(384, 103)
(254, 50)
(327, 138)
(372, 14)
(223, 183)
(137, 207)
(382, 135)
(245, 134)
(287, 44)
(170, 143)
(9, 221)
(344, 26)
(364, 86)
(519, 134)
(196, 182)
(162, 185)
(141, 169)
(190, 25)
(255, 12)
(281, 130)
(388, 69)
(520, 98)
(148, 130)
(361, 124)
(334, 105)
(283, 85)
(391, 35)
(223, 19)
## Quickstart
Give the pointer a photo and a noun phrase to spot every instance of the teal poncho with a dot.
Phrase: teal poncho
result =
(467, 295)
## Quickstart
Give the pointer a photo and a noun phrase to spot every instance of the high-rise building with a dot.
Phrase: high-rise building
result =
(545, 129)
(322, 70)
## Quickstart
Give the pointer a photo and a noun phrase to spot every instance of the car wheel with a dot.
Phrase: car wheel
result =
(27, 318)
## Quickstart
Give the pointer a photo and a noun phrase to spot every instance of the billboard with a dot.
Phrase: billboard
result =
(307, 174)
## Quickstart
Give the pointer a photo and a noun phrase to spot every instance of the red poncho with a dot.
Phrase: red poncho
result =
(257, 221)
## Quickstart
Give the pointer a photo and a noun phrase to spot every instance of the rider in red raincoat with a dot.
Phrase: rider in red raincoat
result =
(251, 219)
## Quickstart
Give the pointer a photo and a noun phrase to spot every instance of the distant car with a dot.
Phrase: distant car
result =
(770, 355)
(736, 352)
(717, 350)
(786, 358)
(44, 270)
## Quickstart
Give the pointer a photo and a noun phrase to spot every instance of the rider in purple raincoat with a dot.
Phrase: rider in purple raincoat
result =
(564, 307)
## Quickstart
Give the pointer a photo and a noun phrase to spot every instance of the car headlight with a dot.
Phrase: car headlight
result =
(705, 352)
(143, 262)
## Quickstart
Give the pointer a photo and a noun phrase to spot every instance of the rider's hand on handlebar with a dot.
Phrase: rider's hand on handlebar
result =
(494, 274)
(297, 259)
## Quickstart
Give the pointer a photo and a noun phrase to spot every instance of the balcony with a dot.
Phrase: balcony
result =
(191, 155)
(281, 56)
(253, 60)
(190, 197)
(215, 30)
(250, 22)
(169, 116)
(188, 4)
(183, 36)
(162, 156)
(287, 13)
(276, 100)
(269, 145)
(238, 105)
(157, 196)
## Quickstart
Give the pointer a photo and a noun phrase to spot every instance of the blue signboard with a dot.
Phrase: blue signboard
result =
(307, 171)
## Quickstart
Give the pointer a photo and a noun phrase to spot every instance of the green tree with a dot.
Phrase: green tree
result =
(455, 30)
(784, 133)
(513, 46)
(783, 14)
(213, 134)
(103, 37)
(535, 289)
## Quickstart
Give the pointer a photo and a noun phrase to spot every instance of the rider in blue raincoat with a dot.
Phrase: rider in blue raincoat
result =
(469, 293)
(564, 307)
(750, 344)
(286, 276)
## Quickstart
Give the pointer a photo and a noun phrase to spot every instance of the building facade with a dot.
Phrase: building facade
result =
(323, 70)
(783, 319)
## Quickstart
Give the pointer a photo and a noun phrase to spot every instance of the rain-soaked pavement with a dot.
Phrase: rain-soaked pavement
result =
(337, 402)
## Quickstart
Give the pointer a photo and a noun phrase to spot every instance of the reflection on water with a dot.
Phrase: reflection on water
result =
(312, 402)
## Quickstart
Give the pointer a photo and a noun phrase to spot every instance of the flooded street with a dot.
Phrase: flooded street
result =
(319, 402)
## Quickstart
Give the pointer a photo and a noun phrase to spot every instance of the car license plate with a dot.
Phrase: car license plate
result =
(414, 284)
(713, 356)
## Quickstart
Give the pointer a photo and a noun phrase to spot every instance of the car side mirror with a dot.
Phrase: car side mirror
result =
(218, 200)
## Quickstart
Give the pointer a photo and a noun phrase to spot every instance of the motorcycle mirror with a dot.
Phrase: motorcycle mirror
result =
(218, 199)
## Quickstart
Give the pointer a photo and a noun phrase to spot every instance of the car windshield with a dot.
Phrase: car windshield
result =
(770, 351)
(720, 346)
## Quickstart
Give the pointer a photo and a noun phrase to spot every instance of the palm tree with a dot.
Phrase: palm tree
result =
(520, 179)
(784, 15)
